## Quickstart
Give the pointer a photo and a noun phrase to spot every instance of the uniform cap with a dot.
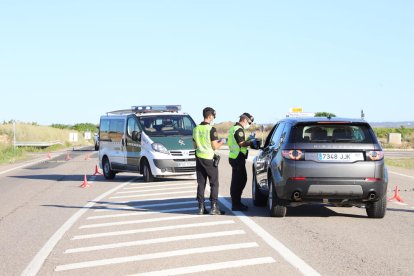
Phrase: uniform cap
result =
(249, 117)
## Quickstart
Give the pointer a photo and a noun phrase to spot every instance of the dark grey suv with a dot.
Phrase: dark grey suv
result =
(320, 160)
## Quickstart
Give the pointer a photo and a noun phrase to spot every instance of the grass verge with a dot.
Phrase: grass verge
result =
(10, 155)
(406, 163)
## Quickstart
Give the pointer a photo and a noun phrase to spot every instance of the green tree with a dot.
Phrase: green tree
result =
(324, 114)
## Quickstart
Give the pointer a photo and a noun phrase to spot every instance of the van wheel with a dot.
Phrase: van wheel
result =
(258, 198)
(377, 209)
(277, 206)
(108, 173)
(148, 177)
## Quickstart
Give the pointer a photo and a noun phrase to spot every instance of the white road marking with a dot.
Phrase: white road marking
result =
(97, 225)
(162, 184)
(38, 260)
(156, 187)
(156, 194)
(285, 252)
(167, 254)
(152, 229)
(152, 190)
(137, 207)
(154, 241)
(24, 165)
(209, 267)
(400, 174)
(144, 212)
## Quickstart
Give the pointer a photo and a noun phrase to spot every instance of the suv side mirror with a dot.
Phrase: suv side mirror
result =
(136, 136)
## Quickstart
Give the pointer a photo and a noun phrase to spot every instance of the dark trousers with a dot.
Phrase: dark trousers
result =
(205, 169)
(238, 178)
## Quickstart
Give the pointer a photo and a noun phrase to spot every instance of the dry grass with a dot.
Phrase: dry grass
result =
(407, 163)
(32, 133)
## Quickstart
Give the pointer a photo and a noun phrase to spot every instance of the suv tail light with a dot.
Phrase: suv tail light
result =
(374, 155)
(293, 154)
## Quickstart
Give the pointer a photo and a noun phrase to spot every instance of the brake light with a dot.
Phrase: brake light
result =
(375, 155)
(293, 154)
(301, 178)
(373, 179)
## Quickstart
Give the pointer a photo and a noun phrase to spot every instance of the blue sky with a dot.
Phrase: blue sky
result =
(71, 61)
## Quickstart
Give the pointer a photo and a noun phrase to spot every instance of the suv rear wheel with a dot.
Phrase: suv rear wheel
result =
(277, 206)
(108, 173)
(377, 209)
(258, 198)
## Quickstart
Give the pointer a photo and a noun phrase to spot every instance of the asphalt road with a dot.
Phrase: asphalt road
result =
(51, 226)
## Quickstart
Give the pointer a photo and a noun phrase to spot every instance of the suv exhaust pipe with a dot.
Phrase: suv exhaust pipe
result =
(372, 195)
(296, 196)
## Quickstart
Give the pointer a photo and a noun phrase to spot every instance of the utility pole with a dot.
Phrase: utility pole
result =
(362, 114)
(14, 134)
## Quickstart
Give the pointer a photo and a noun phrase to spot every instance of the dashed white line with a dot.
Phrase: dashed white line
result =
(153, 229)
(156, 194)
(141, 213)
(209, 267)
(154, 241)
(37, 262)
(135, 190)
(97, 225)
(138, 206)
(167, 254)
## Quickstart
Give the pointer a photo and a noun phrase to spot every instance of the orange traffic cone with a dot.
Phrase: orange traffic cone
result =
(97, 171)
(87, 157)
(396, 195)
(85, 183)
(68, 157)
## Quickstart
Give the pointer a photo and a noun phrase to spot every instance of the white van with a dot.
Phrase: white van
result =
(155, 141)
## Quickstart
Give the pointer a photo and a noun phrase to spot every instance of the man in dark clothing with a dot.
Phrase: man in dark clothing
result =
(237, 158)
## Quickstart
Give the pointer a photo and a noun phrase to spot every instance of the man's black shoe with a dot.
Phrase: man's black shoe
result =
(239, 207)
(202, 209)
(215, 210)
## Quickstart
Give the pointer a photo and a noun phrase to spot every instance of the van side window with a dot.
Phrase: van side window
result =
(132, 125)
(104, 130)
(116, 130)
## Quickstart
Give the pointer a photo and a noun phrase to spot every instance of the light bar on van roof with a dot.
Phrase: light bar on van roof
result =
(149, 108)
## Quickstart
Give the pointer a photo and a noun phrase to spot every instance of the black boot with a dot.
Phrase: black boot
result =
(215, 210)
(202, 209)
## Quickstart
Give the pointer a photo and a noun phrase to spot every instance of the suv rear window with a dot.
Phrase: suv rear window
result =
(332, 133)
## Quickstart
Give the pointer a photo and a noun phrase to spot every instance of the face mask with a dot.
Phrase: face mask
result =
(212, 123)
(247, 126)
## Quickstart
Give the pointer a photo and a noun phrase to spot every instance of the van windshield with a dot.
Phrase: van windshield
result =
(167, 125)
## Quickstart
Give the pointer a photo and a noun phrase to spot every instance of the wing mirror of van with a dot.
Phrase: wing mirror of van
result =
(136, 136)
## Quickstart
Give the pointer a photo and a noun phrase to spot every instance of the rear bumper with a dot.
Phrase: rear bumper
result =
(311, 189)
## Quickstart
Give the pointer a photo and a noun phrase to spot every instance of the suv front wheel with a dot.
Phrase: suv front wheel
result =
(277, 206)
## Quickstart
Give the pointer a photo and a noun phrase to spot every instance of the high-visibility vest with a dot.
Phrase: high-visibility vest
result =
(201, 135)
(234, 147)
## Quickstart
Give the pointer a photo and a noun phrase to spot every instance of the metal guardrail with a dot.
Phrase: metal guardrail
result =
(37, 144)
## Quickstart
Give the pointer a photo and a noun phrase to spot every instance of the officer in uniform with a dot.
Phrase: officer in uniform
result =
(237, 158)
(206, 142)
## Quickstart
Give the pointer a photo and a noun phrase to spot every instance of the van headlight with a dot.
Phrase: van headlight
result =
(160, 148)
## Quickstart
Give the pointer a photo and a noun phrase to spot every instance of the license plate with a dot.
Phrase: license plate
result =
(340, 156)
(187, 164)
